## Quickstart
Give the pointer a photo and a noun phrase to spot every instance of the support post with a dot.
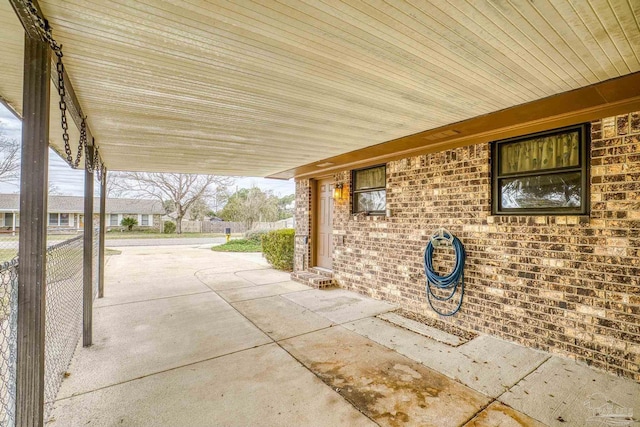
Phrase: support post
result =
(103, 223)
(33, 234)
(87, 268)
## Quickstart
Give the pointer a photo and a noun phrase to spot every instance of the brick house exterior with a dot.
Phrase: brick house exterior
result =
(562, 283)
(148, 213)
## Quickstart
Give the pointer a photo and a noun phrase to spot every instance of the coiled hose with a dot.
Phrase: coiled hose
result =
(449, 282)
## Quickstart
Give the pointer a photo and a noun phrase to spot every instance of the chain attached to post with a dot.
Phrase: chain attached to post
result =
(95, 164)
(46, 35)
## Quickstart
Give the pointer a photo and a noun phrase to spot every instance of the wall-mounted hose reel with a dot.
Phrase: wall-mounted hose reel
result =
(443, 288)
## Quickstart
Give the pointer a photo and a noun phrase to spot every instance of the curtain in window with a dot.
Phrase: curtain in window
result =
(548, 152)
(370, 178)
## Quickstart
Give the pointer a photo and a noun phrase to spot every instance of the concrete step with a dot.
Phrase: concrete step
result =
(422, 329)
(313, 279)
(322, 272)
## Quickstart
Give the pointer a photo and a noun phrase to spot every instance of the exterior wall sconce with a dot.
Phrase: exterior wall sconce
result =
(337, 191)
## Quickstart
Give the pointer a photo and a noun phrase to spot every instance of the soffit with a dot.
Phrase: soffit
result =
(260, 87)
(11, 48)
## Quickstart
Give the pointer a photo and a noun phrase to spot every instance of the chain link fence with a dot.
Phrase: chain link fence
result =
(96, 264)
(8, 340)
(63, 317)
(8, 244)
(9, 239)
(63, 326)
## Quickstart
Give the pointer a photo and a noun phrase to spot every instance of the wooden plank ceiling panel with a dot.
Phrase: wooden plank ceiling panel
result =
(11, 52)
(256, 87)
(11, 49)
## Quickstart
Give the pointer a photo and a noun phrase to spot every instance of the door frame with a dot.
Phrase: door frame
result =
(313, 241)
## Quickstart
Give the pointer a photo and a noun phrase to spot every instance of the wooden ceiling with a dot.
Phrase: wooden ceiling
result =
(264, 87)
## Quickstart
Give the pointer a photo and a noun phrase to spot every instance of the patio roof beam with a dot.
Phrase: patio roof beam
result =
(73, 105)
(10, 107)
(33, 234)
(31, 17)
(27, 12)
(87, 268)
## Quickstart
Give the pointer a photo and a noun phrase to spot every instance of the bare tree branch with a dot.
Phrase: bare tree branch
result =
(181, 191)
(9, 159)
(54, 190)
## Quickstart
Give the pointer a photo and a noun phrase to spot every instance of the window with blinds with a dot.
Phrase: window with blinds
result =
(544, 173)
(369, 190)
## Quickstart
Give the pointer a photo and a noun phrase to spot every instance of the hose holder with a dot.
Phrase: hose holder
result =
(451, 282)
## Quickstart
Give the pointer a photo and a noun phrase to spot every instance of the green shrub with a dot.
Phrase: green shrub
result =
(129, 222)
(277, 247)
(255, 236)
(169, 227)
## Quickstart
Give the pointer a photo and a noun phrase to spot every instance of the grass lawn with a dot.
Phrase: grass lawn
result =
(239, 245)
(50, 237)
(8, 254)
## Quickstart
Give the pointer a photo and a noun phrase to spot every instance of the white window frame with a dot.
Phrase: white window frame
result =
(117, 220)
(149, 220)
(58, 222)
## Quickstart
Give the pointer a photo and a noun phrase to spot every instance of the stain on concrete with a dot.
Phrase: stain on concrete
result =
(386, 386)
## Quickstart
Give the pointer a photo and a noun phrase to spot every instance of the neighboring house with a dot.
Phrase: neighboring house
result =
(66, 213)
(550, 223)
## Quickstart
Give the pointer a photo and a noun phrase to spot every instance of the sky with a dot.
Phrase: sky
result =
(71, 182)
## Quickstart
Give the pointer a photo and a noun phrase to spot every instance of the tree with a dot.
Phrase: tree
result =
(250, 205)
(199, 210)
(9, 158)
(178, 190)
(54, 190)
(114, 188)
(219, 199)
(285, 206)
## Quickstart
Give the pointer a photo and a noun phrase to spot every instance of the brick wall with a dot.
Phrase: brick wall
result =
(565, 284)
(302, 252)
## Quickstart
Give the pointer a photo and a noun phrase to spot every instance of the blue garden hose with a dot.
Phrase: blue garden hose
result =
(449, 282)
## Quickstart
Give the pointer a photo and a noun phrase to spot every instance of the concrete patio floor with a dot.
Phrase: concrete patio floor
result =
(190, 337)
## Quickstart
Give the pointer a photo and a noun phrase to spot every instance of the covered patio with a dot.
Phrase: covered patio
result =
(214, 339)
(318, 91)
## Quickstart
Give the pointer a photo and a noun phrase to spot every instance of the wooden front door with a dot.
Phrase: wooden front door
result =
(324, 223)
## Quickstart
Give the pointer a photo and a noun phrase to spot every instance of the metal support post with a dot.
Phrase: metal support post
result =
(103, 223)
(87, 268)
(33, 234)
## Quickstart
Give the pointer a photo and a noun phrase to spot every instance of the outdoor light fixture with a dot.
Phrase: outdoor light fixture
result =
(337, 191)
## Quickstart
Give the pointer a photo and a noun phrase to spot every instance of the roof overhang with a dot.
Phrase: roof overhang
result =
(610, 98)
(276, 88)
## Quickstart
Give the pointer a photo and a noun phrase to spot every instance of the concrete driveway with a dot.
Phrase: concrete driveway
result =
(190, 337)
